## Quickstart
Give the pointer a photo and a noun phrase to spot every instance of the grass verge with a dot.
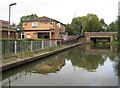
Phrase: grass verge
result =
(23, 55)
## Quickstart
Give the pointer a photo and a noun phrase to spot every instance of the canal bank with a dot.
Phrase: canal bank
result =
(36, 57)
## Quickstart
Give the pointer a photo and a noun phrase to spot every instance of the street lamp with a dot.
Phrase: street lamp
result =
(9, 19)
(9, 22)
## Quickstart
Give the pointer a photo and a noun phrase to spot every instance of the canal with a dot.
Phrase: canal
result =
(84, 65)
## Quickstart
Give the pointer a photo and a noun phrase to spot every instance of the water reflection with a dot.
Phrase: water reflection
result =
(51, 65)
(118, 61)
(90, 58)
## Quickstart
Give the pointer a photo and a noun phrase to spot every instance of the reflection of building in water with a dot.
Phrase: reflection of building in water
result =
(51, 65)
(99, 49)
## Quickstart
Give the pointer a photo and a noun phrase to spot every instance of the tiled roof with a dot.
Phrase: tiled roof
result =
(42, 19)
(39, 19)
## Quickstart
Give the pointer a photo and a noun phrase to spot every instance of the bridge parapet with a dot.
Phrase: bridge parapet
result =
(99, 35)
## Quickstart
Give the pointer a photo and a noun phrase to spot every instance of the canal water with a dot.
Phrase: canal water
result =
(84, 65)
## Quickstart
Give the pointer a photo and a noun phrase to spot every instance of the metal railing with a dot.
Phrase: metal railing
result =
(24, 46)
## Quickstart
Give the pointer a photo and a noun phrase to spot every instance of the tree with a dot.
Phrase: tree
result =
(76, 24)
(28, 17)
(103, 25)
(69, 29)
(13, 25)
(91, 23)
(118, 29)
(74, 27)
(112, 27)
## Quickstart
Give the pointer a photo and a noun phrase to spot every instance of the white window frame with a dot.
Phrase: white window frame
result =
(28, 36)
(34, 24)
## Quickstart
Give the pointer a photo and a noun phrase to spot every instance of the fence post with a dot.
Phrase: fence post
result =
(42, 44)
(31, 45)
(50, 43)
(15, 47)
(56, 42)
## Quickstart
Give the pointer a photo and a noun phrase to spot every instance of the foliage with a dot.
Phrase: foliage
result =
(118, 29)
(112, 27)
(13, 25)
(90, 23)
(23, 18)
(69, 29)
(103, 24)
(76, 24)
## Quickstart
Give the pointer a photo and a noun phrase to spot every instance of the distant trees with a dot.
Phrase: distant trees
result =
(118, 29)
(112, 27)
(103, 25)
(13, 25)
(90, 23)
(69, 29)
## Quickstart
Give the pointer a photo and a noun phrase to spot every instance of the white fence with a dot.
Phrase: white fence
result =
(14, 47)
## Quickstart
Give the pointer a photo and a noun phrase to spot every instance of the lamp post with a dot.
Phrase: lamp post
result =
(9, 19)
(9, 23)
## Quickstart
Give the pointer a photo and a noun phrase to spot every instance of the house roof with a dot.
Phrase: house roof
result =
(5, 24)
(42, 19)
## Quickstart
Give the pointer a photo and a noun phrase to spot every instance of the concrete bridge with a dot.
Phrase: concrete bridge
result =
(98, 37)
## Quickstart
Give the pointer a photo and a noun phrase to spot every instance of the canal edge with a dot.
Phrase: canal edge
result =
(13, 64)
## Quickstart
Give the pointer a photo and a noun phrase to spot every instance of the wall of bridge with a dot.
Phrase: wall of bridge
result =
(89, 35)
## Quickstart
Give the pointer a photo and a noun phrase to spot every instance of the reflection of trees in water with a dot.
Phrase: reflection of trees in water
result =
(55, 63)
(117, 66)
(91, 63)
(75, 55)
(88, 62)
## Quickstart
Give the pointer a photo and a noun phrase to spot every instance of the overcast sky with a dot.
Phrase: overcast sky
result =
(61, 10)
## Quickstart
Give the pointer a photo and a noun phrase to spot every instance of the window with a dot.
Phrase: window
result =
(34, 24)
(28, 35)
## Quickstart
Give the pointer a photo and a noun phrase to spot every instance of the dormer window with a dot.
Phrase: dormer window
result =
(34, 24)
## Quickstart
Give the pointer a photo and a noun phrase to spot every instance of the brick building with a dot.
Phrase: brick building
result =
(4, 30)
(43, 27)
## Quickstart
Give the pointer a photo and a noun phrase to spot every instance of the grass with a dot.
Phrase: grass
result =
(23, 55)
